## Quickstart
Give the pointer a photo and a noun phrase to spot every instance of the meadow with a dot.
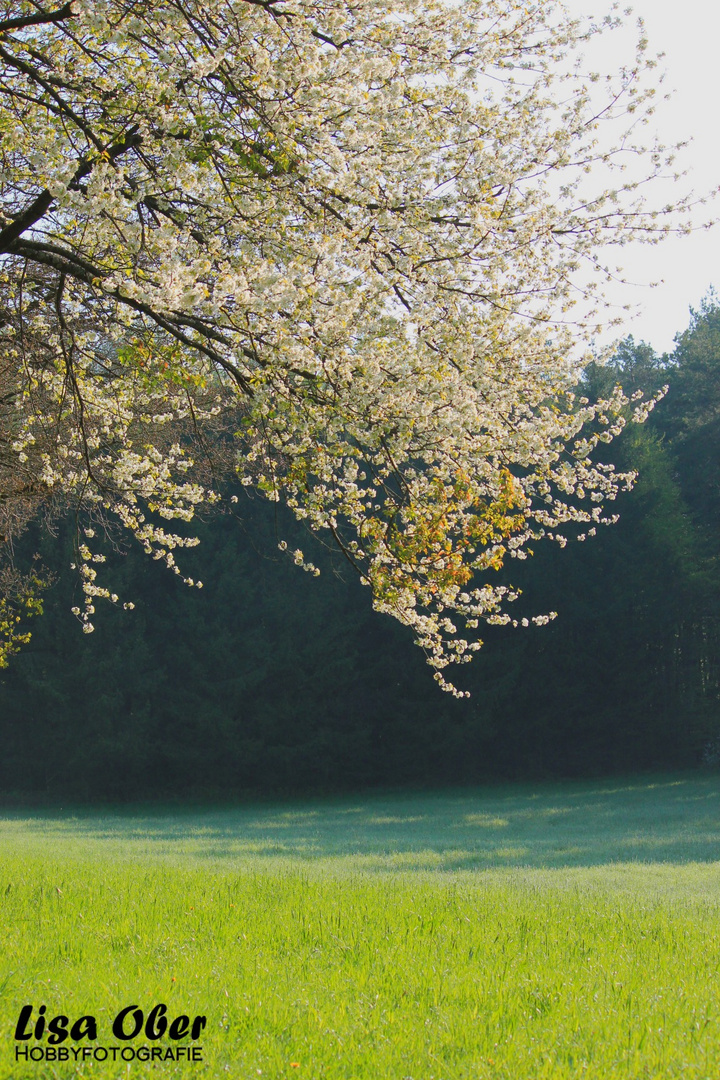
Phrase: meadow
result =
(505, 933)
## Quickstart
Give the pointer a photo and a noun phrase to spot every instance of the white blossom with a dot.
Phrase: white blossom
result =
(349, 233)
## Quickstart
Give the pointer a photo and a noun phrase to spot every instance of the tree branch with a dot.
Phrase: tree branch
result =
(65, 12)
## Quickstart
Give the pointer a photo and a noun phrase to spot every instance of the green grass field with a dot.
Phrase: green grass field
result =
(559, 931)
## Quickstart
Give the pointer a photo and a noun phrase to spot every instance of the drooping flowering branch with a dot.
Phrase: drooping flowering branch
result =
(350, 232)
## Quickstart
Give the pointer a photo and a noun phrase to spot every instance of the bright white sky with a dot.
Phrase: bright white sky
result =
(687, 32)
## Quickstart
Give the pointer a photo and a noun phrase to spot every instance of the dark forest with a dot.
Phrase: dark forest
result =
(272, 682)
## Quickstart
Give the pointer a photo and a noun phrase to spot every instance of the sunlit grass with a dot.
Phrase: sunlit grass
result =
(515, 933)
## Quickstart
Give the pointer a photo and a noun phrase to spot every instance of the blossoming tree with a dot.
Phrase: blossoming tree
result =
(361, 236)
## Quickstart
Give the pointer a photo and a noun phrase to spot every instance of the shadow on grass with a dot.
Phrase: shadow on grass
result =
(661, 820)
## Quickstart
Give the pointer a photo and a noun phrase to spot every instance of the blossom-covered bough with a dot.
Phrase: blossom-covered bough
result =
(355, 235)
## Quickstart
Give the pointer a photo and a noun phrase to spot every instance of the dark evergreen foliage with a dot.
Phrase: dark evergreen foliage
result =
(269, 681)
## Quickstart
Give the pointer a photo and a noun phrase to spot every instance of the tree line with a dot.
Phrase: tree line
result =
(272, 681)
